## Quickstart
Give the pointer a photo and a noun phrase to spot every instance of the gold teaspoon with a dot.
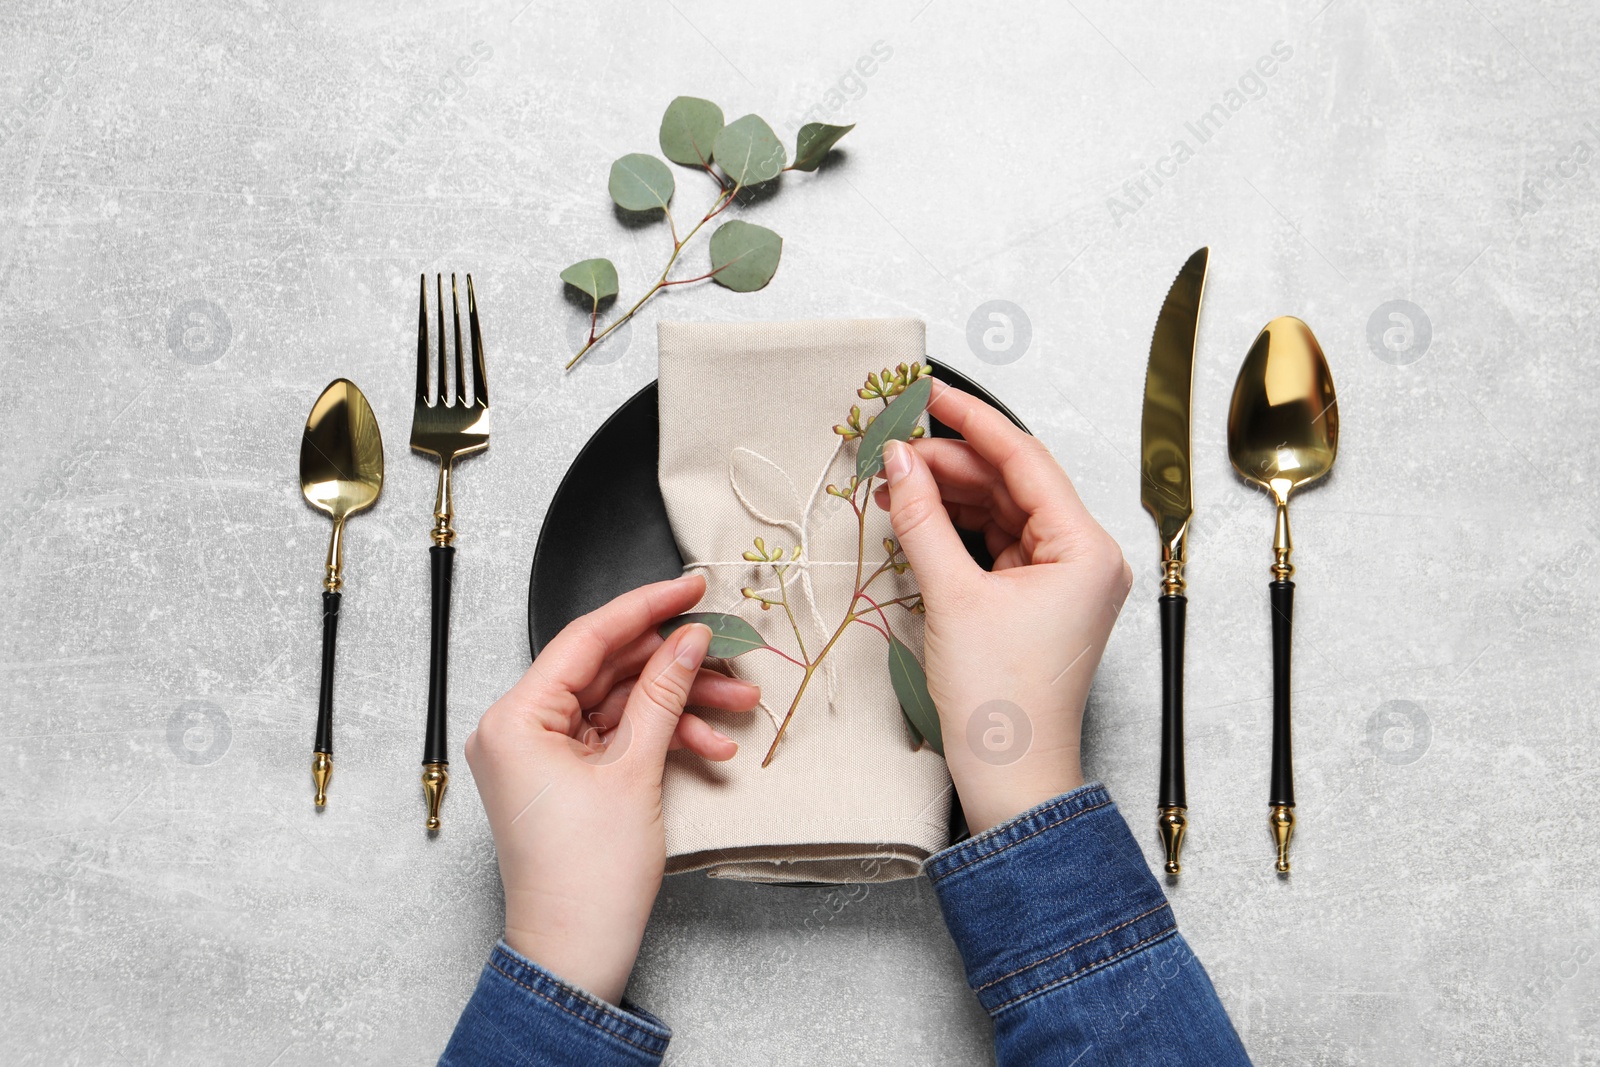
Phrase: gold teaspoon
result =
(341, 473)
(1283, 432)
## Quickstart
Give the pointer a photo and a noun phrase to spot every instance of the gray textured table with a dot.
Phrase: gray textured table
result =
(207, 211)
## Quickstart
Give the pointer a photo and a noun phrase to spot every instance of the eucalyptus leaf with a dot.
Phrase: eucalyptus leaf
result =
(911, 688)
(815, 141)
(596, 277)
(744, 256)
(749, 152)
(895, 423)
(917, 740)
(689, 131)
(730, 635)
(641, 182)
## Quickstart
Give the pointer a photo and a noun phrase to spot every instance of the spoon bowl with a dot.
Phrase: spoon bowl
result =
(341, 463)
(1283, 425)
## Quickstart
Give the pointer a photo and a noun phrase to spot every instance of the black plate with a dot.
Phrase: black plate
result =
(606, 531)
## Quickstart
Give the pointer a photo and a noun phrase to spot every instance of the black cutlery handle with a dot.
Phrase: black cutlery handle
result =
(330, 634)
(1173, 791)
(436, 747)
(1282, 749)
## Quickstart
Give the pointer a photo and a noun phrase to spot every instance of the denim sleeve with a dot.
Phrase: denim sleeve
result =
(1071, 947)
(522, 1014)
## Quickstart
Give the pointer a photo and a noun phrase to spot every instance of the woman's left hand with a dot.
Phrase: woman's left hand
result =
(569, 766)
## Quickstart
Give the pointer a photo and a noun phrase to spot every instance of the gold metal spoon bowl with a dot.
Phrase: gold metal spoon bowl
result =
(341, 463)
(1283, 425)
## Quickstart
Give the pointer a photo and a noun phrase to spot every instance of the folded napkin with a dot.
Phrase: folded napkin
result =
(747, 447)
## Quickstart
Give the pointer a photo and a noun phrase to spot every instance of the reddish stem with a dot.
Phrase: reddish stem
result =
(785, 655)
(686, 281)
(722, 207)
(881, 632)
(877, 608)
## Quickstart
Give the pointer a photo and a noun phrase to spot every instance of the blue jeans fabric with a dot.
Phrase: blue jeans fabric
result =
(522, 1014)
(1068, 941)
(1071, 947)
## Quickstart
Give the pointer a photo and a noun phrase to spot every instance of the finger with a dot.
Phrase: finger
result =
(623, 663)
(958, 468)
(971, 507)
(999, 542)
(1013, 555)
(711, 689)
(970, 516)
(996, 539)
(965, 477)
(650, 717)
(603, 718)
(1033, 477)
(571, 661)
(699, 737)
(962, 474)
(693, 733)
(921, 523)
(964, 516)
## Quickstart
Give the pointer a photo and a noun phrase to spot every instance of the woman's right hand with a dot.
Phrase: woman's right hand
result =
(1009, 653)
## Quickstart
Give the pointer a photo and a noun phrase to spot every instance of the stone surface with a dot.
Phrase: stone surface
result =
(208, 211)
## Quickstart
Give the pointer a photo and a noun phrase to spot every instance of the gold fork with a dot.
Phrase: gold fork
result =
(446, 430)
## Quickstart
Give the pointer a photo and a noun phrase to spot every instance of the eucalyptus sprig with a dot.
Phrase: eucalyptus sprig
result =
(737, 156)
(904, 393)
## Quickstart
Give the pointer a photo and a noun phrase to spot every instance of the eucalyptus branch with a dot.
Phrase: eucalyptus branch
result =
(661, 283)
(783, 591)
(892, 563)
(811, 670)
(732, 635)
(744, 257)
(883, 630)
(879, 609)
(912, 602)
(886, 387)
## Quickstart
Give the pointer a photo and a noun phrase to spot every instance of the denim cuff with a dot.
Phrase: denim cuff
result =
(1048, 897)
(523, 1013)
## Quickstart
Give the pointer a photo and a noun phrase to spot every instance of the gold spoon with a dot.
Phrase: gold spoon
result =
(341, 473)
(1283, 432)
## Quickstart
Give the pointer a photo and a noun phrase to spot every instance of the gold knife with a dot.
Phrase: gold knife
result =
(1167, 495)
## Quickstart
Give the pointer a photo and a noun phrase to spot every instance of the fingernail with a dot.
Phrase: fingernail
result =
(896, 461)
(720, 736)
(693, 644)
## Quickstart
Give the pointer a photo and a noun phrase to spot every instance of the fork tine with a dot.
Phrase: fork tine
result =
(422, 341)
(461, 376)
(442, 384)
(480, 383)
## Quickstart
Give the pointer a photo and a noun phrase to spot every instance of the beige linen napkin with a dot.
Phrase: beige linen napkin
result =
(747, 446)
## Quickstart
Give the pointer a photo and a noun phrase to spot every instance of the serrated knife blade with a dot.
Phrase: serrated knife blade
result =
(1164, 485)
(1167, 493)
